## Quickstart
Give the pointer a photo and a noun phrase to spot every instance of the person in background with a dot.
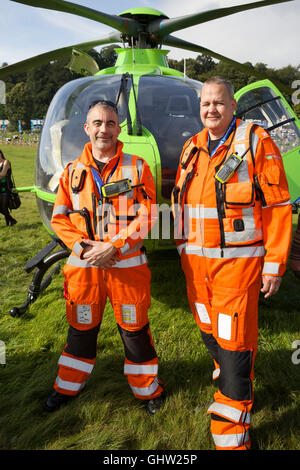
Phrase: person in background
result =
(5, 177)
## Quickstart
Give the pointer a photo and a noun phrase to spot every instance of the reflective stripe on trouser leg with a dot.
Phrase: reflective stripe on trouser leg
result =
(228, 435)
(141, 363)
(143, 379)
(72, 373)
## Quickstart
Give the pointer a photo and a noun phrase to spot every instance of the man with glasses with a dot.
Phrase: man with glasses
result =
(104, 208)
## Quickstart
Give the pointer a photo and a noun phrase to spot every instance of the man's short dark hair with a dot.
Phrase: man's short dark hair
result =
(217, 80)
(104, 104)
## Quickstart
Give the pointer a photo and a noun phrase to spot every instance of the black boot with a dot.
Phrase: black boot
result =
(154, 405)
(56, 400)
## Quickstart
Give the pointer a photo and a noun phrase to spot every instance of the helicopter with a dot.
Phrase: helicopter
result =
(158, 107)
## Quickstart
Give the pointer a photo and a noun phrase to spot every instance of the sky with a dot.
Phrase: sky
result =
(269, 34)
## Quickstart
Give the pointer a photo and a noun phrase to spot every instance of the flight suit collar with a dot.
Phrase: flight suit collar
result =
(201, 139)
(87, 157)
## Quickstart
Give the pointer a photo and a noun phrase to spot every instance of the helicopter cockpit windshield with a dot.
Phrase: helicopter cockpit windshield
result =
(264, 107)
(170, 110)
(63, 136)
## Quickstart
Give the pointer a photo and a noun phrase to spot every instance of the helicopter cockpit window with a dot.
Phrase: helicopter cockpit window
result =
(264, 107)
(63, 136)
(170, 110)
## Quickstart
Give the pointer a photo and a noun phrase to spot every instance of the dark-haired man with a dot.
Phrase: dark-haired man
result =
(104, 208)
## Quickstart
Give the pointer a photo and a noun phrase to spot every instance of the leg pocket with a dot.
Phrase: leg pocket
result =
(229, 307)
(129, 293)
(199, 300)
(131, 313)
(84, 309)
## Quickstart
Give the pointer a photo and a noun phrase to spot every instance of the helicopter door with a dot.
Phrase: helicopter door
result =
(261, 102)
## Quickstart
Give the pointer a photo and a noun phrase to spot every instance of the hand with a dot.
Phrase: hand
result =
(100, 254)
(271, 285)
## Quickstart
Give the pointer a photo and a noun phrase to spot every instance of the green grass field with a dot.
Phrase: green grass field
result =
(106, 415)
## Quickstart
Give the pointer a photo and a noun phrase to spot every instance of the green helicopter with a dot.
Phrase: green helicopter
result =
(158, 107)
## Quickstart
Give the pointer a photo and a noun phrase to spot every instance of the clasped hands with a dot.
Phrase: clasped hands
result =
(100, 254)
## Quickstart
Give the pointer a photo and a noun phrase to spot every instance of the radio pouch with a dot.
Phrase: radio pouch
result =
(78, 176)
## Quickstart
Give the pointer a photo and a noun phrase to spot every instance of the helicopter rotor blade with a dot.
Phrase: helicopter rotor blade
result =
(61, 53)
(124, 25)
(164, 27)
(176, 42)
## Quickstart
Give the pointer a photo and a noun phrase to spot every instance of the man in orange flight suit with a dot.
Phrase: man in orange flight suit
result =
(233, 233)
(104, 226)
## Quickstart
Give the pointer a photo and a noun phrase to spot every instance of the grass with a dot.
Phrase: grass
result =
(105, 415)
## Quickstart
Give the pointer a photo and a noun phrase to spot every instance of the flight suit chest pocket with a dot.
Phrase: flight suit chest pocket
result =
(239, 195)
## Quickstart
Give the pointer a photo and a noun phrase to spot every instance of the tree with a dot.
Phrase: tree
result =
(18, 106)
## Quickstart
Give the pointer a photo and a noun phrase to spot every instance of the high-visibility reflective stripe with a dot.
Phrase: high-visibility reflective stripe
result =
(79, 263)
(144, 369)
(77, 248)
(229, 412)
(131, 262)
(71, 386)
(127, 172)
(125, 263)
(115, 238)
(180, 248)
(254, 143)
(145, 391)
(246, 418)
(228, 253)
(75, 201)
(216, 374)
(280, 204)
(240, 147)
(230, 440)
(139, 166)
(75, 364)
(60, 210)
(200, 212)
(250, 233)
(271, 268)
(125, 248)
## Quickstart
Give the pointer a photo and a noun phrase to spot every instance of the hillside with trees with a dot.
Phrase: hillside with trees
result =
(28, 95)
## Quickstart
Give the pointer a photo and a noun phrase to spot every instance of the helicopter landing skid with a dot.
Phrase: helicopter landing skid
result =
(42, 262)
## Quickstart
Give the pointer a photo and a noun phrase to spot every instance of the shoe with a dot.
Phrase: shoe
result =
(154, 405)
(12, 222)
(56, 400)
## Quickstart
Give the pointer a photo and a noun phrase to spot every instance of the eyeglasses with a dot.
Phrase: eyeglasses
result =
(107, 102)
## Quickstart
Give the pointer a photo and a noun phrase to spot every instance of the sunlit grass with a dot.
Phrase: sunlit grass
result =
(106, 415)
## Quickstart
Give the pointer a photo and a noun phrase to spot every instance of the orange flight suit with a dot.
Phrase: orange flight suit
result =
(123, 220)
(228, 235)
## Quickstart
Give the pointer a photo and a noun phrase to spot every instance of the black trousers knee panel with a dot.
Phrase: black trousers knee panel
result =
(82, 343)
(137, 345)
(235, 369)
